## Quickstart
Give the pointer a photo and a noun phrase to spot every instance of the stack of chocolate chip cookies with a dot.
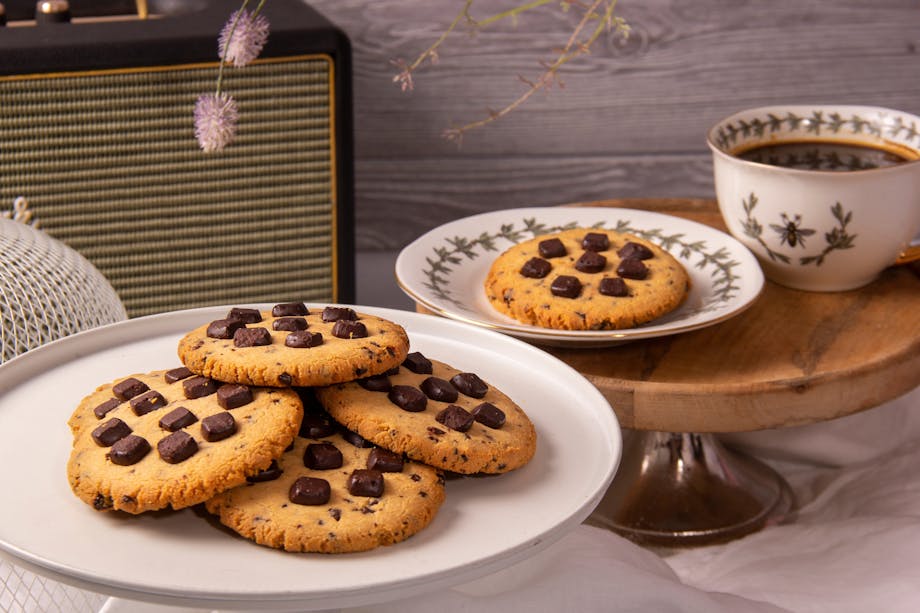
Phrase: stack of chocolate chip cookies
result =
(308, 430)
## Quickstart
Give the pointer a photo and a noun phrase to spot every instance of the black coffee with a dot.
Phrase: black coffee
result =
(822, 155)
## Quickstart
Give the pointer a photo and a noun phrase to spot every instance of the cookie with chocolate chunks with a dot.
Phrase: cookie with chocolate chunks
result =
(602, 280)
(465, 425)
(181, 450)
(291, 345)
(358, 503)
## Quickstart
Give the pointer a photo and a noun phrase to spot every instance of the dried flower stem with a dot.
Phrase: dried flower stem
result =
(573, 48)
(223, 57)
(512, 13)
(432, 50)
(241, 40)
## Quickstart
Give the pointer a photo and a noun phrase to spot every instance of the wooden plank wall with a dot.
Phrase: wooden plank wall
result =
(632, 117)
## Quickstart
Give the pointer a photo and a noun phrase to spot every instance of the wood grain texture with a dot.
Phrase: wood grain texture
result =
(792, 358)
(632, 117)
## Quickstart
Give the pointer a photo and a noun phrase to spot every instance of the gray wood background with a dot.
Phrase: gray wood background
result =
(632, 117)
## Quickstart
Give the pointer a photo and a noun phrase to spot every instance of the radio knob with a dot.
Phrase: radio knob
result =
(52, 11)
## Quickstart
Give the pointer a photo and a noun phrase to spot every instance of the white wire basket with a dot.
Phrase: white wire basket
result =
(47, 291)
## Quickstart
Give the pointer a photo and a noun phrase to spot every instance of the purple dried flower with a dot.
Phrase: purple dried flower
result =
(243, 37)
(215, 121)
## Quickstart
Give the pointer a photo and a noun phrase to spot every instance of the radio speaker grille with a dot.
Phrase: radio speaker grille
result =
(109, 164)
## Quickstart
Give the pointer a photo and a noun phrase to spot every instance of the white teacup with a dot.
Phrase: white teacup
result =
(825, 196)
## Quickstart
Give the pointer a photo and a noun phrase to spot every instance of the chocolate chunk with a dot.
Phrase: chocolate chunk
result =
(106, 407)
(632, 268)
(177, 447)
(331, 313)
(128, 450)
(489, 415)
(198, 387)
(595, 241)
(470, 384)
(286, 309)
(375, 383)
(309, 400)
(310, 491)
(269, 474)
(285, 379)
(217, 427)
(177, 374)
(247, 316)
(224, 328)
(102, 502)
(408, 398)
(635, 250)
(177, 419)
(456, 418)
(613, 286)
(551, 248)
(110, 432)
(355, 439)
(289, 324)
(535, 268)
(344, 328)
(366, 482)
(565, 286)
(316, 426)
(252, 337)
(129, 388)
(591, 262)
(418, 363)
(439, 389)
(147, 402)
(322, 456)
(303, 339)
(384, 461)
(232, 395)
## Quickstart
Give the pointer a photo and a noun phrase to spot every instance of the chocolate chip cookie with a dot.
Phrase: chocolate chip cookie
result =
(329, 495)
(435, 414)
(292, 345)
(586, 279)
(171, 438)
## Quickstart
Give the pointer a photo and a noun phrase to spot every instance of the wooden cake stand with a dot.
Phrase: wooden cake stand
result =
(792, 358)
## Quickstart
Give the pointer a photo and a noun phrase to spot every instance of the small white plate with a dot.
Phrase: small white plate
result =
(445, 269)
(183, 559)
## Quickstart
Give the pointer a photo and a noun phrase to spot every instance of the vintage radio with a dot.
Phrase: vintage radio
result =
(97, 136)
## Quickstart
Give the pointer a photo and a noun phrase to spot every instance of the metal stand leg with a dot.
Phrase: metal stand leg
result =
(685, 489)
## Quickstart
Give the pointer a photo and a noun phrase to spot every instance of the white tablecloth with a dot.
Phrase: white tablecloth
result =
(855, 546)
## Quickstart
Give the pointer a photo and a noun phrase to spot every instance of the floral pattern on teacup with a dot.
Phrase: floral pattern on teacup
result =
(792, 233)
(896, 127)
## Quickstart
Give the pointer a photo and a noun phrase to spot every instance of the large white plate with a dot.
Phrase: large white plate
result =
(445, 269)
(181, 558)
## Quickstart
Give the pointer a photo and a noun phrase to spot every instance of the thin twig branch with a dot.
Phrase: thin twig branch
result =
(575, 46)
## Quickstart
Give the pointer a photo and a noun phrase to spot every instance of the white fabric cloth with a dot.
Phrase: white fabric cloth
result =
(854, 547)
